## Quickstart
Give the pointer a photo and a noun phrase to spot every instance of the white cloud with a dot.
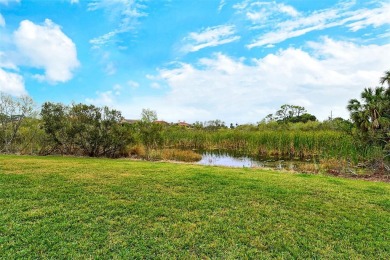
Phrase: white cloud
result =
(2, 21)
(103, 39)
(74, 1)
(117, 89)
(222, 3)
(151, 77)
(47, 47)
(287, 9)
(323, 82)
(374, 17)
(124, 13)
(210, 37)
(110, 68)
(105, 98)
(155, 85)
(6, 63)
(385, 34)
(322, 78)
(264, 12)
(133, 84)
(6, 2)
(277, 28)
(11, 83)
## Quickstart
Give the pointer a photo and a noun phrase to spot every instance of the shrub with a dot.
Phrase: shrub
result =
(137, 150)
(180, 155)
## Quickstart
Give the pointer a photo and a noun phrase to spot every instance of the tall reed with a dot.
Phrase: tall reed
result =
(282, 143)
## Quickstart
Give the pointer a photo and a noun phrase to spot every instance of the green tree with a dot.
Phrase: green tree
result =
(385, 78)
(32, 137)
(13, 112)
(339, 124)
(57, 126)
(304, 118)
(98, 131)
(198, 125)
(148, 115)
(214, 125)
(115, 135)
(85, 129)
(371, 115)
(291, 114)
(150, 132)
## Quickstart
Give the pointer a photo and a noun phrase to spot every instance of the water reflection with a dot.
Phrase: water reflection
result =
(225, 159)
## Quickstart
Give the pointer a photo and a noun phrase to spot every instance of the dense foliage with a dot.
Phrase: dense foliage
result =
(371, 116)
(84, 129)
(149, 131)
(13, 113)
(290, 114)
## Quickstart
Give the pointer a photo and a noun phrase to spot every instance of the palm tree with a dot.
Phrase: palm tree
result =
(374, 104)
(366, 114)
(385, 78)
(356, 111)
(371, 115)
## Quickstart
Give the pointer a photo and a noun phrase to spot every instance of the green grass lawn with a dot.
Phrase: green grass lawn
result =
(63, 207)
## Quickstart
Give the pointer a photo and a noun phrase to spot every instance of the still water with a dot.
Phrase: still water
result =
(226, 159)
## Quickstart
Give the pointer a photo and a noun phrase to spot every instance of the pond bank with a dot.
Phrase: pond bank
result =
(310, 165)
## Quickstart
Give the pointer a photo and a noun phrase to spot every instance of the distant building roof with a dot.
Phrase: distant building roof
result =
(162, 122)
(183, 124)
(130, 121)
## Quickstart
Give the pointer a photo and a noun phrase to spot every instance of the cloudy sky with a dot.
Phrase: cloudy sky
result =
(235, 60)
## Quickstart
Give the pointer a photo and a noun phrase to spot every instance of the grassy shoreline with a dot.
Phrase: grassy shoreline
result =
(55, 207)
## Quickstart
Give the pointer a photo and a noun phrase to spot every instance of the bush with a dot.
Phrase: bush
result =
(137, 150)
(181, 155)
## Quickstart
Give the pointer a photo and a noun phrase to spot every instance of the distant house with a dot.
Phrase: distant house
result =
(161, 122)
(130, 121)
(184, 124)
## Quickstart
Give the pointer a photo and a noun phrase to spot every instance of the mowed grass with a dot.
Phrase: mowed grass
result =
(63, 207)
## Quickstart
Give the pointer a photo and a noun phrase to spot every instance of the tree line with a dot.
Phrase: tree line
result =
(88, 130)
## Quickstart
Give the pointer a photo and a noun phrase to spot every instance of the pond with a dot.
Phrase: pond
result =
(216, 158)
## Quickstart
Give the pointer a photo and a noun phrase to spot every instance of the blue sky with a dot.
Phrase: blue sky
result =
(235, 60)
